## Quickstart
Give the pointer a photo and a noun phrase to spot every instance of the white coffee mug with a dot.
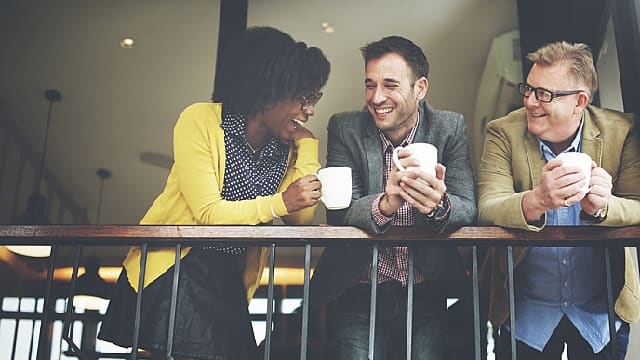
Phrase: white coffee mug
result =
(426, 154)
(581, 160)
(336, 187)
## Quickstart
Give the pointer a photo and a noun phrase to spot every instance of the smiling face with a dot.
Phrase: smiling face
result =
(281, 121)
(557, 121)
(392, 95)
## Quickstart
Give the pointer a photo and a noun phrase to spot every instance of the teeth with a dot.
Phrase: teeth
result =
(384, 110)
(298, 122)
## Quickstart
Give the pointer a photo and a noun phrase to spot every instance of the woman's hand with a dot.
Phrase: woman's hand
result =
(302, 193)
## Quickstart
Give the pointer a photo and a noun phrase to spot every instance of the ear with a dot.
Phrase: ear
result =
(421, 86)
(582, 102)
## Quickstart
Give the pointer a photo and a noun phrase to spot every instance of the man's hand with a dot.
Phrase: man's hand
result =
(559, 186)
(392, 200)
(598, 197)
(421, 190)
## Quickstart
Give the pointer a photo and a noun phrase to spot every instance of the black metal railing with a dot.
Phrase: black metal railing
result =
(308, 237)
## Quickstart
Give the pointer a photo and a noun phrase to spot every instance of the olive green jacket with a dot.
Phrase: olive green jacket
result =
(511, 165)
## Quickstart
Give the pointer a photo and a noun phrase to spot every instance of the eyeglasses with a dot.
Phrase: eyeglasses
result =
(542, 94)
(310, 100)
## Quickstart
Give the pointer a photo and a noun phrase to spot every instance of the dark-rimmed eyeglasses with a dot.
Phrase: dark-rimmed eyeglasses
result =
(309, 100)
(543, 94)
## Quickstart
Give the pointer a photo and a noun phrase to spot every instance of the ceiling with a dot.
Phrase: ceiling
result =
(118, 103)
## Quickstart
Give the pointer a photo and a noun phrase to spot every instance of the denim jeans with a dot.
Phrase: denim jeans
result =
(351, 322)
(577, 347)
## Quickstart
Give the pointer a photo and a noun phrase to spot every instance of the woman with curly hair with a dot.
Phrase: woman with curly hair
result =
(244, 159)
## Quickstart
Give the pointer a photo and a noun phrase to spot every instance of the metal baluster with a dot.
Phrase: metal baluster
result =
(174, 302)
(410, 277)
(136, 323)
(476, 304)
(305, 302)
(372, 309)
(272, 265)
(66, 326)
(512, 303)
(610, 301)
(15, 329)
(43, 337)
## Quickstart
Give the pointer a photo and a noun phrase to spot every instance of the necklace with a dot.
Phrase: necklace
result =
(253, 150)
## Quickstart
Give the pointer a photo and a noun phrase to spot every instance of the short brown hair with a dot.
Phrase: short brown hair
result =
(577, 55)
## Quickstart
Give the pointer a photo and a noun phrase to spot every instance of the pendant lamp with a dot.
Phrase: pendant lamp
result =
(37, 210)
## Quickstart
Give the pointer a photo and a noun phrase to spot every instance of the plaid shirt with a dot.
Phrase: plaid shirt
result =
(393, 261)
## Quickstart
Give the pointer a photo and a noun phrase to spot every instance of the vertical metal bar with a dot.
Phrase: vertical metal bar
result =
(305, 302)
(372, 309)
(136, 324)
(33, 332)
(610, 301)
(512, 303)
(66, 325)
(476, 304)
(272, 265)
(410, 279)
(15, 329)
(174, 302)
(43, 340)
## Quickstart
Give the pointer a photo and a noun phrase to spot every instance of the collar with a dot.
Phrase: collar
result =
(386, 143)
(575, 146)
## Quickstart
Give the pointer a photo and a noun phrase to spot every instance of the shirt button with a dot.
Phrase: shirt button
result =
(565, 303)
(565, 284)
(564, 261)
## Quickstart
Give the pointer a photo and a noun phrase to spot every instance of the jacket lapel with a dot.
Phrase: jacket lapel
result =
(373, 154)
(591, 143)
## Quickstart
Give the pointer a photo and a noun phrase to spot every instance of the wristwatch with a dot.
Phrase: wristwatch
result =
(441, 210)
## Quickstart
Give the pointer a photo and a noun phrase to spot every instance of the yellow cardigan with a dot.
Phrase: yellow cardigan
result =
(192, 193)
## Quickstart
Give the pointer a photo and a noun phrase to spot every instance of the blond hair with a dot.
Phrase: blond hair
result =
(577, 55)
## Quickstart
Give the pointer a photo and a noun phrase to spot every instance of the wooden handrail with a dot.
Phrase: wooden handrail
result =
(321, 235)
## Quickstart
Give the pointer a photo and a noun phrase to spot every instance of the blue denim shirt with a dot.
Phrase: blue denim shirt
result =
(552, 282)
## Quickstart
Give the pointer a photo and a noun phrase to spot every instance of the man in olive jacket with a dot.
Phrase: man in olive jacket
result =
(560, 292)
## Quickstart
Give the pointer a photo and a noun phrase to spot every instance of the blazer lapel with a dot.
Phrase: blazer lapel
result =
(373, 154)
(591, 143)
(535, 159)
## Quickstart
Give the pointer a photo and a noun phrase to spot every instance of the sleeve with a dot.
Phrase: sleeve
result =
(304, 161)
(458, 179)
(199, 162)
(498, 202)
(342, 151)
(624, 205)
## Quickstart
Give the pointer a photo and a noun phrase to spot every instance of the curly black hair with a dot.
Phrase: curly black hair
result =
(410, 52)
(265, 66)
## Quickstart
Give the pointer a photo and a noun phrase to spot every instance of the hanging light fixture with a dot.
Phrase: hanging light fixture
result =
(92, 292)
(37, 211)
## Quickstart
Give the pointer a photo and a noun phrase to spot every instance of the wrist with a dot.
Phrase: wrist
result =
(597, 217)
(387, 206)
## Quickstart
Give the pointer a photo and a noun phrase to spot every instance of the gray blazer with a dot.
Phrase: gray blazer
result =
(353, 141)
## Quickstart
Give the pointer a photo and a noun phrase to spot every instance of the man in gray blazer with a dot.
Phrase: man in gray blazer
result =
(385, 197)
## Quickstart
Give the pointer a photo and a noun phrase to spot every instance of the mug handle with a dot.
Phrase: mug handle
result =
(396, 161)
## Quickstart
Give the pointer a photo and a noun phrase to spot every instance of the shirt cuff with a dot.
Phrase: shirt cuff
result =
(378, 217)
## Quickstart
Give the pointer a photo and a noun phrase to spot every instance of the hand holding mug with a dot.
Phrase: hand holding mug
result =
(302, 193)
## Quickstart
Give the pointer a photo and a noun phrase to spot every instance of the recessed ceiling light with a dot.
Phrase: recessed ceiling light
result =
(127, 43)
(327, 28)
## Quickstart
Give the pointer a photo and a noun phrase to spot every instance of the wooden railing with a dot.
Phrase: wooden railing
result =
(315, 236)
